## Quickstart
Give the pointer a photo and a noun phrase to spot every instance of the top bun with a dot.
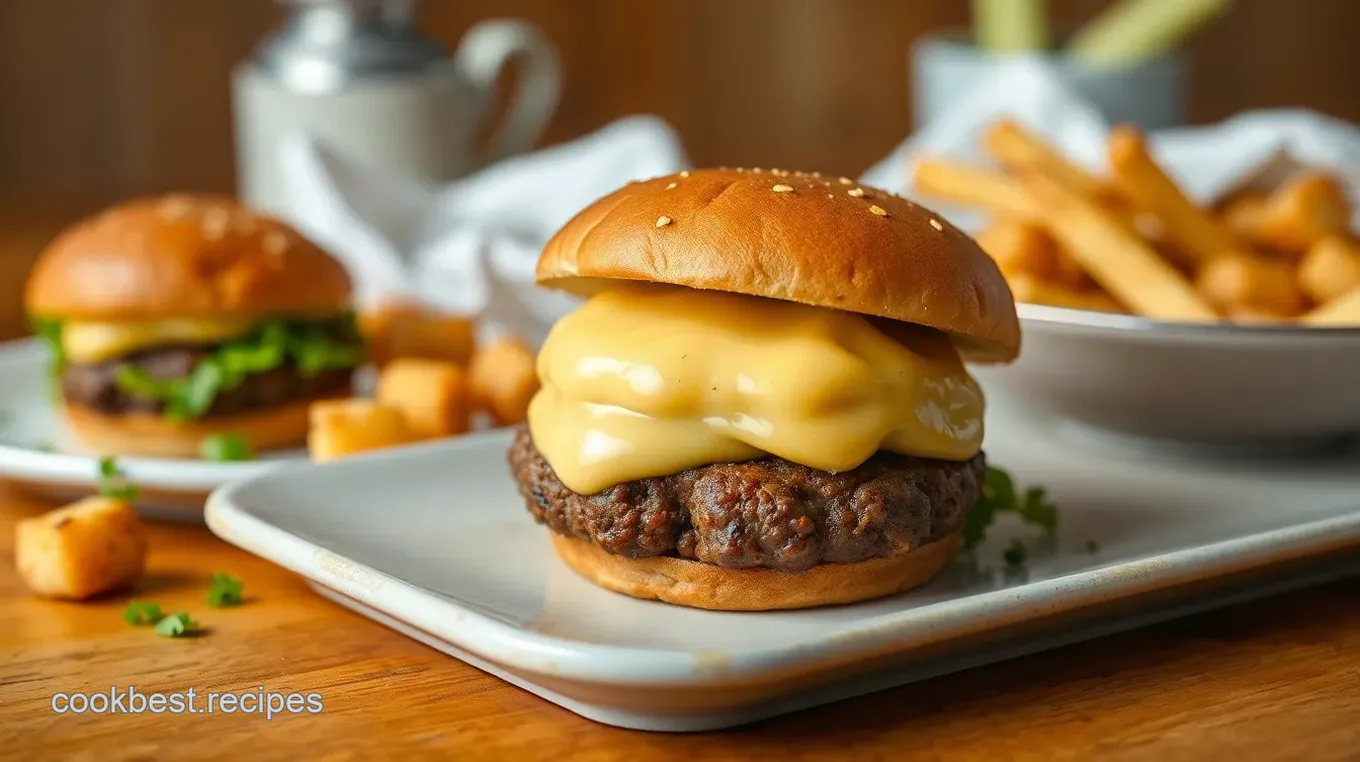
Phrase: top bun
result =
(795, 236)
(183, 256)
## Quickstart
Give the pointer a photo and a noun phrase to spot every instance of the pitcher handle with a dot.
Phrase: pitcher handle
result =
(483, 54)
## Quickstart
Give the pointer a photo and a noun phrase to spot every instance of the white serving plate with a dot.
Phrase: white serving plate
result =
(1207, 388)
(434, 542)
(34, 449)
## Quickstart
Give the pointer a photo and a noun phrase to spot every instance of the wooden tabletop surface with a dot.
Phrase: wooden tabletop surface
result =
(1275, 679)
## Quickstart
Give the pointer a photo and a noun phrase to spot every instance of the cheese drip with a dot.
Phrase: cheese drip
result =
(647, 380)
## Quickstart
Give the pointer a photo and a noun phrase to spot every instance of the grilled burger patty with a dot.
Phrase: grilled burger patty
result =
(768, 512)
(94, 387)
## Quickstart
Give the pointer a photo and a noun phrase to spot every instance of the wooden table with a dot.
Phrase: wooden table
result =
(1276, 679)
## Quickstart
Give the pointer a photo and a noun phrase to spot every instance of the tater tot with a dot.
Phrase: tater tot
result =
(346, 427)
(1234, 281)
(404, 329)
(432, 394)
(503, 380)
(86, 548)
(1331, 268)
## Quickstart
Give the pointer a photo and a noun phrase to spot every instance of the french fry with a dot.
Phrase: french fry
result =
(404, 329)
(1343, 311)
(1200, 236)
(432, 395)
(1256, 316)
(86, 548)
(1019, 150)
(1297, 215)
(974, 187)
(504, 380)
(346, 427)
(1122, 263)
(1330, 268)
(1241, 282)
(1032, 290)
(1021, 247)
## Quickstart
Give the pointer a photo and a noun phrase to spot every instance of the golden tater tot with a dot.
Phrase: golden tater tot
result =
(432, 394)
(404, 329)
(1331, 268)
(1234, 281)
(503, 380)
(86, 548)
(346, 427)
(1343, 311)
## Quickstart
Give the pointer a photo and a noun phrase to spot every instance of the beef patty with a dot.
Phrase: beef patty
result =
(93, 386)
(767, 512)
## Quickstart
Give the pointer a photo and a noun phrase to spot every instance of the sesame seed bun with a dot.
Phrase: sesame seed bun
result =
(707, 586)
(153, 435)
(804, 238)
(183, 256)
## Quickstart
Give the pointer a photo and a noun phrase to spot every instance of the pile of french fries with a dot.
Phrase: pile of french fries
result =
(1133, 242)
(433, 380)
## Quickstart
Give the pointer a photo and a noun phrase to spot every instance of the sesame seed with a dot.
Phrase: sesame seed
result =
(663, 221)
(175, 207)
(846, 181)
(215, 223)
(275, 243)
(684, 173)
(936, 224)
(756, 169)
(780, 172)
(782, 188)
(830, 195)
(816, 174)
(878, 210)
(671, 186)
(856, 192)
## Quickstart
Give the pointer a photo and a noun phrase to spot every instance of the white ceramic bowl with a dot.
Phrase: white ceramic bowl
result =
(1251, 388)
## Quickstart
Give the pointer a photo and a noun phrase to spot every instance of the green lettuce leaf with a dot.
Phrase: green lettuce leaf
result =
(310, 346)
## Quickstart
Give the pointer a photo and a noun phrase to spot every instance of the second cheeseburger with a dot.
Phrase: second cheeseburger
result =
(763, 403)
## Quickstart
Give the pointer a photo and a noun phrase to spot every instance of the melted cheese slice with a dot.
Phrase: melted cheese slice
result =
(93, 342)
(646, 381)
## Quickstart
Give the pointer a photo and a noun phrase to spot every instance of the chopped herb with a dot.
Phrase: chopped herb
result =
(141, 612)
(1091, 546)
(311, 346)
(1015, 554)
(113, 482)
(999, 496)
(225, 591)
(226, 446)
(175, 625)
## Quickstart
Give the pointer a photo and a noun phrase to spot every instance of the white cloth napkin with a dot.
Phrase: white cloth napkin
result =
(468, 247)
(1252, 149)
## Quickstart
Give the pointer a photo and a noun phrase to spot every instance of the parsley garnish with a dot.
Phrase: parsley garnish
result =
(226, 446)
(113, 482)
(999, 496)
(175, 625)
(225, 591)
(141, 612)
(311, 346)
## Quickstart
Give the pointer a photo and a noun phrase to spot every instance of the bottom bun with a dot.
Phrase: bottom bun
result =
(707, 586)
(153, 435)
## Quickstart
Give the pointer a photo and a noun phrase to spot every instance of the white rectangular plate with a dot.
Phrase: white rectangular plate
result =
(434, 541)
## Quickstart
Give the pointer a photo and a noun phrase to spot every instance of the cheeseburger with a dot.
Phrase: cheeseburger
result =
(763, 403)
(174, 319)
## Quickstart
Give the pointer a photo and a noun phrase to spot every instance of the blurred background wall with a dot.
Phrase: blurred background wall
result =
(103, 99)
